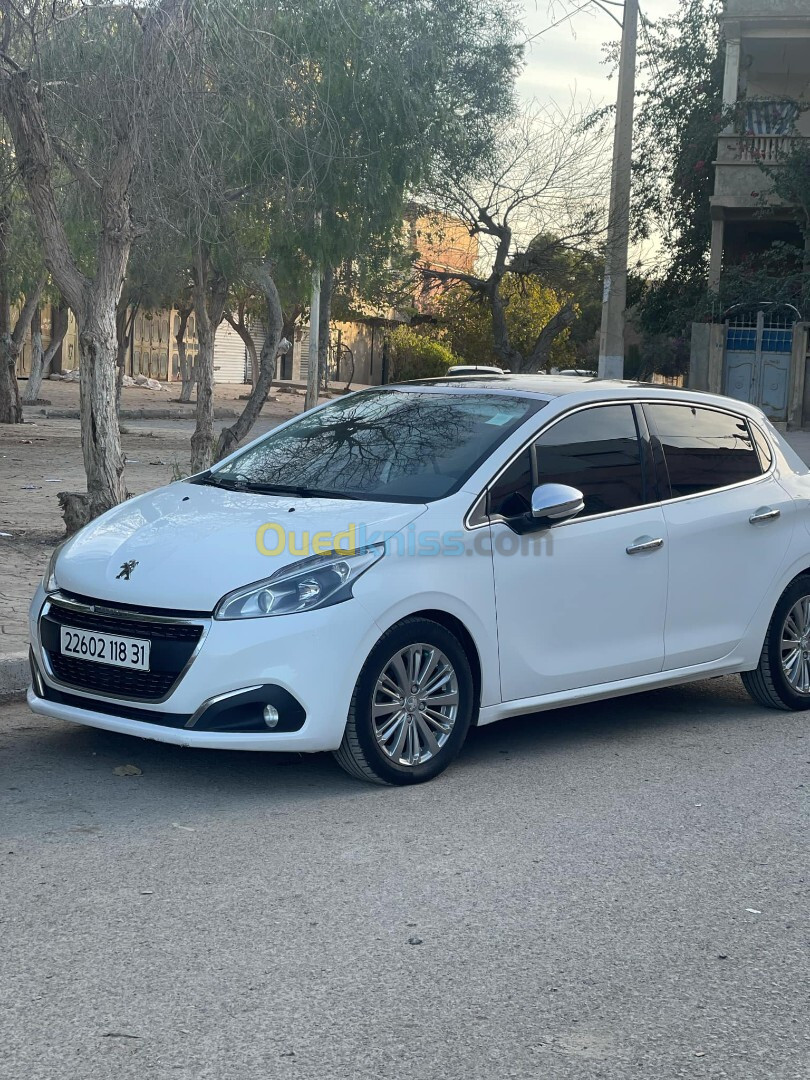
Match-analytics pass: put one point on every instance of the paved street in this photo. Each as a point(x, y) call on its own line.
point(618, 890)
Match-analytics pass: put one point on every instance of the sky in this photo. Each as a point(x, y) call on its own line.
point(566, 62)
point(568, 59)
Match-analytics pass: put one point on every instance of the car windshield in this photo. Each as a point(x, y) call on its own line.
point(399, 445)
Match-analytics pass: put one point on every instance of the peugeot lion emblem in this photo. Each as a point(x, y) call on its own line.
point(126, 570)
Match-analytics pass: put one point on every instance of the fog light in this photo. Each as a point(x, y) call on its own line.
point(270, 715)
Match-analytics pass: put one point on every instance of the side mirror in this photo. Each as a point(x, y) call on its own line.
point(556, 502)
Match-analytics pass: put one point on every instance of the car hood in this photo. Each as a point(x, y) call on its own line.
point(192, 543)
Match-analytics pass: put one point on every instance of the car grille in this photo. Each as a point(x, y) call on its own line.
point(172, 647)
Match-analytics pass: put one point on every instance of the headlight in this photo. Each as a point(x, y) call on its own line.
point(49, 582)
point(318, 581)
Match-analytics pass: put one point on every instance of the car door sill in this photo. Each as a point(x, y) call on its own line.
point(728, 665)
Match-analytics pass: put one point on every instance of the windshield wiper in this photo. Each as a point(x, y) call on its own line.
point(229, 481)
point(240, 482)
point(301, 491)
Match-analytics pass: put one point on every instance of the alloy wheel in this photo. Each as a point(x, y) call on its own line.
point(415, 704)
point(795, 646)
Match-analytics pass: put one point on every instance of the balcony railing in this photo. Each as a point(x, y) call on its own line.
point(755, 149)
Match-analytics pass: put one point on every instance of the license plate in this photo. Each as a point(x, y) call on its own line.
point(124, 652)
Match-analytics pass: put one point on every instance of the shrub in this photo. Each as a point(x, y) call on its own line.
point(414, 355)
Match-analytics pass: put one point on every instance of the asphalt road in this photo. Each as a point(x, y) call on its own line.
point(618, 890)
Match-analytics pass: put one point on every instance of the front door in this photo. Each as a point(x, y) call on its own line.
point(757, 361)
point(584, 602)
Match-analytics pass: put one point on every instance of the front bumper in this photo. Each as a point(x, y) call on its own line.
point(298, 741)
point(315, 657)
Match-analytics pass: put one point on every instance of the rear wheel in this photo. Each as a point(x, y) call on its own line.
point(412, 706)
point(781, 680)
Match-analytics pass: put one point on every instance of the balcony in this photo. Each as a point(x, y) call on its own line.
point(740, 179)
point(755, 149)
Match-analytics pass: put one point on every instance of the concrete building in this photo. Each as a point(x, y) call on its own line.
point(758, 352)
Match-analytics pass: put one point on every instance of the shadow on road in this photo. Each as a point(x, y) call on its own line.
point(75, 756)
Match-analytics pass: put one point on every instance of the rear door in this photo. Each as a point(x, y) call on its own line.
point(728, 523)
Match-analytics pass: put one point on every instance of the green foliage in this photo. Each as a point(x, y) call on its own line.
point(464, 320)
point(662, 355)
point(778, 275)
point(264, 118)
point(414, 355)
point(678, 119)
point(303, 144)
point(576, 276)
point(790, 183)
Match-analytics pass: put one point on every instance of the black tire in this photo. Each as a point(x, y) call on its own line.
point(767, 683)
point(360, 753)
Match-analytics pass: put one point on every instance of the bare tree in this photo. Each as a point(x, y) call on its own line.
point(102, 163)
point(540, 192)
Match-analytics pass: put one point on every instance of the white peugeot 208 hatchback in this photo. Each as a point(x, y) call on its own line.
point(379, 574)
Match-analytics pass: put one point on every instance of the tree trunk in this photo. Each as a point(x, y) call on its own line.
point(504, 350)
point(230, 437)
point(101, 437)
point(36, 342)
point(11, 341)
point(121, 339)
point(93, 300)
point(540, 356)
point(210, 294)
point(186, 367)
point(10, 406)
point(124, 325)
point(40, 369)
point(325, 317)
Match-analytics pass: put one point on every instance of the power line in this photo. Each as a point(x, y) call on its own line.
point(571, 14)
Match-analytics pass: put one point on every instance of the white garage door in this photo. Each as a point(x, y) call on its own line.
point(229, 356)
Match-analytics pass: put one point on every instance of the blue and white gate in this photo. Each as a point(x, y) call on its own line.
point(759, 345)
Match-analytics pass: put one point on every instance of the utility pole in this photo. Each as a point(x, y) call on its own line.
point(614, 294)
point(311, 399)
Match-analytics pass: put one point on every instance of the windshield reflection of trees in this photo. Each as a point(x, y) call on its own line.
point(391, 442)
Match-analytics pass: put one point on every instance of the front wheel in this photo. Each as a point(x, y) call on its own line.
point(412, 706)
point(781, 680)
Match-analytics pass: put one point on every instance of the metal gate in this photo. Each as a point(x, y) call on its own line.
point(759, 344)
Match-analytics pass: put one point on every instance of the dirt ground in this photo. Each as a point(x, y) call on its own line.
point(43, 457)
point(61, 395)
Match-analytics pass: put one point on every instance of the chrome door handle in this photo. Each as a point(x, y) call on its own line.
point(765, 513)
point(644, 543)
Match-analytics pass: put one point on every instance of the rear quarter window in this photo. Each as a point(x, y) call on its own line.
point(704, 449)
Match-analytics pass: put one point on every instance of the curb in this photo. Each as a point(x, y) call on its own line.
point(138, 414)
point(15, 675)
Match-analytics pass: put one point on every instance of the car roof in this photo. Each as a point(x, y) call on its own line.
point(578, 387)
point(544, 386)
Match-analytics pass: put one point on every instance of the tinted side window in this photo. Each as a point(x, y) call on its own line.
point(704, 449)
point(511, 494)
point(598, 451)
